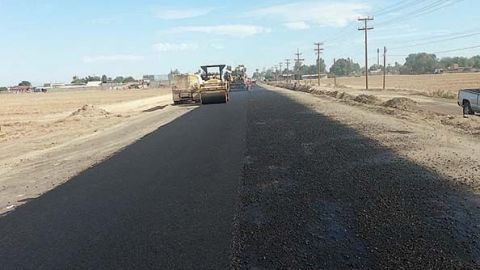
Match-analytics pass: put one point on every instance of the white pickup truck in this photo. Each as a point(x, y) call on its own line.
point(469, 100)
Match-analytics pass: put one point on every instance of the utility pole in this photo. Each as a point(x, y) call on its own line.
point(318, 50)
point(378, 57)
point(281, 71)
point(298, 62)
point(384, 66)
point(334, 75)
point(366, 29)
point(287, 61)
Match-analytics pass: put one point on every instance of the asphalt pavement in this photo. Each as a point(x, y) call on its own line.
point(263, 182)
point(165, 202)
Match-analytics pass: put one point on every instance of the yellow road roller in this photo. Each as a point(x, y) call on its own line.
point(214, 88)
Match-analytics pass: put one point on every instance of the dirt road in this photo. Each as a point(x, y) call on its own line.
point(276, 179)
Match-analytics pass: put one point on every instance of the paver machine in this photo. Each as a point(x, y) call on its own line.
point(239, 76)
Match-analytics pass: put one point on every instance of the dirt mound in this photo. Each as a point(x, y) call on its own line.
point(471, 125)
point(401, 103)
point(90, 111)
point(345, 96)
point(367, 99)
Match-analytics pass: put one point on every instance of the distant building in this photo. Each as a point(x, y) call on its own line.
point(94, 84)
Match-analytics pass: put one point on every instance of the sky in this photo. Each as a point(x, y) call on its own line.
point(54, 40)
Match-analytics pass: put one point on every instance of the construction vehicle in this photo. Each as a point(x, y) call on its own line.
point(214, 87)
point(239, 77)
point(185, 88)
point(208, 87)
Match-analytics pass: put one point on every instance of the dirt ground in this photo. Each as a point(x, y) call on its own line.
point(47, 138)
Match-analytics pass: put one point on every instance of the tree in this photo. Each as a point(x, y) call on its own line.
point(129, 80)
point(3, 89)
point(25, 83)
point(118, 79)
point(475, 61)
point(420, 63)
point(104, 79)
point(345, 67)
point(375, 67)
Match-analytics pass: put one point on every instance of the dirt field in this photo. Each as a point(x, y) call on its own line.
point(47, 138)
point(441, 85)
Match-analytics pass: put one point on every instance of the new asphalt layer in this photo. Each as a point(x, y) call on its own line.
point(263, 182)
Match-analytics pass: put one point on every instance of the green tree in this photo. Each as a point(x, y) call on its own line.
point(129, 80)
point(104, 79)
point(3, 89)
point(475, 61)
point(420, 63)
point(118, 79)
point(345, 67)
point(25, 83)
point(375, 67)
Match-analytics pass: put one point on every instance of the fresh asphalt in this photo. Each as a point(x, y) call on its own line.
point(263, 182)
point(165, 202)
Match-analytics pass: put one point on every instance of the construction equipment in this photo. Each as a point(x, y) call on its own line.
point(214, 88)
point(186, 88)
point(209, 87)
point(239, 76)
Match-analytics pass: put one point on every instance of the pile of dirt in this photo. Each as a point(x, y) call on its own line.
point(470, 125)
point(401, 103)
point(90, 111)
point(345, 96)
point(367, 99)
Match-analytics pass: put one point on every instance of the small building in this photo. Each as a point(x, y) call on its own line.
point(94, 84)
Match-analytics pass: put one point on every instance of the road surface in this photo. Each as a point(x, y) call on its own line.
point(261, 183)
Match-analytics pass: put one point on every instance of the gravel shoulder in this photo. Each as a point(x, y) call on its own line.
point(339, 185)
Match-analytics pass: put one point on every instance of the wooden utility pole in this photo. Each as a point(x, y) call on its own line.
point(318, 50)
point(287, 62)
point(298, 62)
point(334, 75)
point(384, 66)
point(378, 57)
point(366, 29)
point(281, 70)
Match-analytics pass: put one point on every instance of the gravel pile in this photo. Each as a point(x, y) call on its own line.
point(367, 99)
point(401, 103)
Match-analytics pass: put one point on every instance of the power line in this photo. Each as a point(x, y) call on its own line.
point(458, 49)
point(427, 9)
point(438, 40)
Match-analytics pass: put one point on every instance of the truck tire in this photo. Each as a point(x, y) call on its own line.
point(467, 109)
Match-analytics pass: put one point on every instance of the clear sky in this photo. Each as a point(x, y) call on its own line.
point(53, 40)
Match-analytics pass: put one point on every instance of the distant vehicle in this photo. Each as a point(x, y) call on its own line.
point(40, 90)
point(469, 100)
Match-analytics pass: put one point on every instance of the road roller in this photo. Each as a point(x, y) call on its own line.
point(214, 87)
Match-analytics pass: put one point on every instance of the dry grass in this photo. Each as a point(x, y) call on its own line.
point(442, 85)
point(31, 115)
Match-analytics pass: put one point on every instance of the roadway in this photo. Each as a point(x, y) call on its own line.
point(263, 182)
